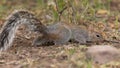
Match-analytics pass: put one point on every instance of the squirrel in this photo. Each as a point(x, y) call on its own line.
point(14, 20)
point(58, 33)
point(61, 33)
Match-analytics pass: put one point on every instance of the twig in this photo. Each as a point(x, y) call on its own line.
point(58, 11)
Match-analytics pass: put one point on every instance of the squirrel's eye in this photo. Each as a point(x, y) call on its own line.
point(97, 35)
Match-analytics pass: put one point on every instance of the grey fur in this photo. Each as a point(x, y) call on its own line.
point(62, 31)
point(57, 33)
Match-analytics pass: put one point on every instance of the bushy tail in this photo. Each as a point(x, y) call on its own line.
point(13, 22)
point(7, 33)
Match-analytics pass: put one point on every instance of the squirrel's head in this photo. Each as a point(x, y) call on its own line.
point(96, 37)
point(26, 17)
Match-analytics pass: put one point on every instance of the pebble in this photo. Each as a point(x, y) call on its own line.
point(101, 54)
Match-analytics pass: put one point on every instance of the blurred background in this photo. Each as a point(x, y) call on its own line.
point(69, 10)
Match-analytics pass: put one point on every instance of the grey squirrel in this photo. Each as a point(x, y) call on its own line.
point(58, 33)
point(61, 33)
point(12, 23)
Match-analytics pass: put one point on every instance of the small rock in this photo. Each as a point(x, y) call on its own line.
point(102, 54)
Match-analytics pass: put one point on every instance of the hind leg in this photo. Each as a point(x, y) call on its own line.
point(64, 37)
